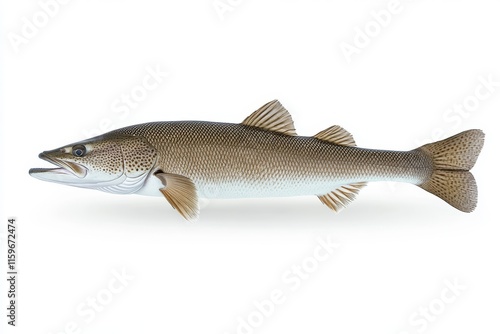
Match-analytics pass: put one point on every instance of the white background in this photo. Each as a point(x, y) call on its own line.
point(398, 244)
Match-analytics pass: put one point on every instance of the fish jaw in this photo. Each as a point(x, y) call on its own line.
point(66, 172)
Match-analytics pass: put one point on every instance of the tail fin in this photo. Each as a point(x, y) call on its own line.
point(453, 158)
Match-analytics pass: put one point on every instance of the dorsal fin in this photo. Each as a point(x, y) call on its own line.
point(272, 116)
point(342, 196)
point(336, 135)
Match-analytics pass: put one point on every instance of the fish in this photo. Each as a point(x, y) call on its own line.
point(261, 157)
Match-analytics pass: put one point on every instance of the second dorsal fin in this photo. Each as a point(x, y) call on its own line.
point(336, 135)
point(272, 116)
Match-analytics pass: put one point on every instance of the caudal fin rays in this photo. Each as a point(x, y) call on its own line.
point(453, 158)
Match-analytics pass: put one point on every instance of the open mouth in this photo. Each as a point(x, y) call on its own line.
point(64, 167)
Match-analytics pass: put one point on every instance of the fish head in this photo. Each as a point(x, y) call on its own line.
point(111, 163)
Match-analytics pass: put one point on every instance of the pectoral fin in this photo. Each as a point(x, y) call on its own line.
point(180, 192)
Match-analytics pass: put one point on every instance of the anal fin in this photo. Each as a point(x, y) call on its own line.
point(342, 196)
point(180, 192)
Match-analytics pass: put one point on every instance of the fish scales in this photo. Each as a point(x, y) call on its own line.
point(233, 160)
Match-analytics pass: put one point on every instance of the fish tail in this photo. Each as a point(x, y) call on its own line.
point(452, 159)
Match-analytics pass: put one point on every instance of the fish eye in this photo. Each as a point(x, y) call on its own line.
point(79, 150)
